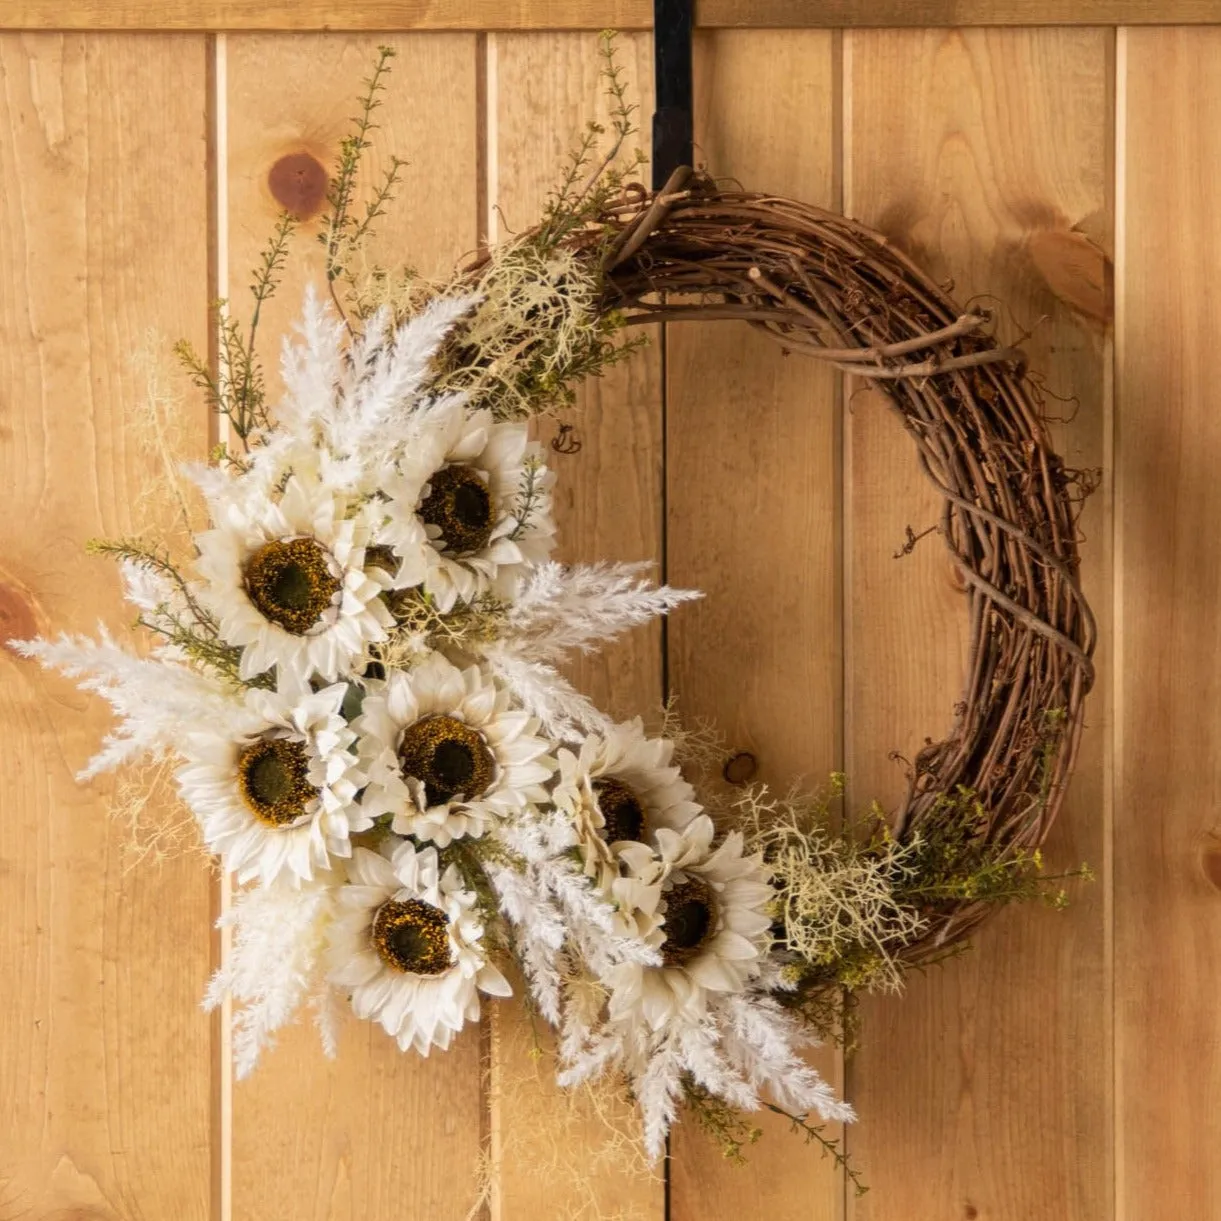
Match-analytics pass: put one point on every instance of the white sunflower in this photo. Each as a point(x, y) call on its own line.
point(479, 495)
point(445, 754)
point(284, 574)
point(621, 788)
point(407, 942)
point(715, 933)
point(275, 791)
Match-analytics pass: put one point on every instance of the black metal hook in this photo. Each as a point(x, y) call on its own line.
point(673, 124)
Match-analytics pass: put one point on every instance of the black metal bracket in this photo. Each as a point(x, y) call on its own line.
point(673, 124)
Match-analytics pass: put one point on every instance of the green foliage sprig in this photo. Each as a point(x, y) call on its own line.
point(237, 390)
point(343, 233)
point(189, 626)
point(528, 499)
point(589, 182)
point(733, 1133)
point(726, 1127)
point(952, 862)
point(834, 1149)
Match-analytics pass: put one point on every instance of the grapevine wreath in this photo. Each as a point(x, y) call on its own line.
point(354, 684)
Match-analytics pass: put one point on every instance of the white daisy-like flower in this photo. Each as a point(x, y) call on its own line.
point(621, 788)
point(275, 791)
point(445, 754)
point(715, 932)
point(284, 573)
point(479, 496)
point(407, 941)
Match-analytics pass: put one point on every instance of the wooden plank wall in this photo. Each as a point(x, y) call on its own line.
point(1068, 1068)
point(106, 1061)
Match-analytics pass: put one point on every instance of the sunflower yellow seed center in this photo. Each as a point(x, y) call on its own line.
point(273, 776)
point(460, 506)
point(412, 936)
point(448, 757)
point(690, 920)
point(290, 582)
point(621, 810)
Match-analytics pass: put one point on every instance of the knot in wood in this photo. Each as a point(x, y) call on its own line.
point(298, 183)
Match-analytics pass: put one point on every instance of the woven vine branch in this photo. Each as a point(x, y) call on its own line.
point(821, 284)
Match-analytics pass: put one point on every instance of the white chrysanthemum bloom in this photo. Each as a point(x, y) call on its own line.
point(445, 754)
point(715, 933)
point(275, 794)
point(480, 496)
point(621, 788)
point(407, 941)
point(285, 577)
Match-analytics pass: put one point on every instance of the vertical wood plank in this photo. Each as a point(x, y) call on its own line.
point(105, 1055)
point(376, 1134)
point(984, 1091)
point(542, 90)
point(753, 519)
point(1168, 736)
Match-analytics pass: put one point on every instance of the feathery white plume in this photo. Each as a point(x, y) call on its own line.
point(561, 710)
point(362, 406)
point(538, 935)
point(154, 698)
point(148, 589)
point(274, 966)
point(560, 609)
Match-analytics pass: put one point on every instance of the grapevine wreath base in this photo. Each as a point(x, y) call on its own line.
point(354, 682)
point(822, 285)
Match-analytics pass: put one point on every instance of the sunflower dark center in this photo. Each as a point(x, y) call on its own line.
point(290, 583)
point(412, 936)
point(448, 758)
point(689, 921)
point(460, 506)
point(273, 776)
point(621, 810)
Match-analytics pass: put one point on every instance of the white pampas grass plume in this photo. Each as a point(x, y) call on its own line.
point(154, 698)
point(561, 609)
point(363, 406)
point(149, 589)
point(274, 967)
point(562, 711)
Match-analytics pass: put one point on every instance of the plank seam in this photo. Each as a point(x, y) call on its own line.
point(1113, 792)
point(487, 141)
point(839, 140)
point(219, 274)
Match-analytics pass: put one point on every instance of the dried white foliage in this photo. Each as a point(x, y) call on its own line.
point(274, 967)
point(360, 406)
point(155, 698)
point(560, 610)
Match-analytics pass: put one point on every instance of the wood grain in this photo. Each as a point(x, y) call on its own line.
point(1168, 733)
point(375, 1134)
point(542, 88)
point(984, 1091)
point(389, 15)
point(105, 1056)
point(753, 519)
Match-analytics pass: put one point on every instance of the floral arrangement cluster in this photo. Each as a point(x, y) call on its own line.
point(358, 673)
point(355, 670)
